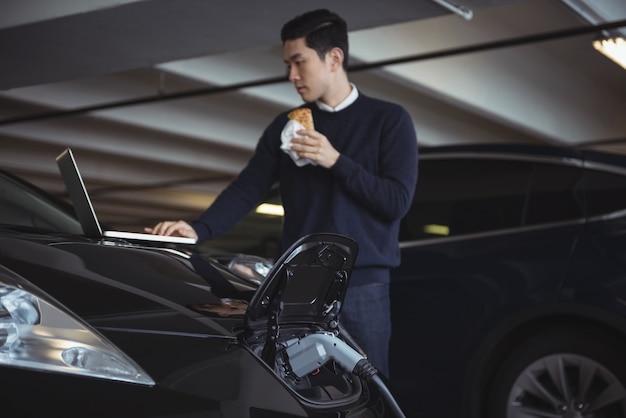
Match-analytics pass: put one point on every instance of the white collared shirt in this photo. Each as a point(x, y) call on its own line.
point(354, 94)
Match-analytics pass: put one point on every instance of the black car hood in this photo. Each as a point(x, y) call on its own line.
point(306, 285)
point(126, 286)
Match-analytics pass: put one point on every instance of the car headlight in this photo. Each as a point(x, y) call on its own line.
point(38, 333)
point(250, 266)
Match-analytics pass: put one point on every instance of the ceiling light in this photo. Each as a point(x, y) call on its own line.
point(437, 229)
point(270, 209)
point(613, 48)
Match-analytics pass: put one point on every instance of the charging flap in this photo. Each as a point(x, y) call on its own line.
point(307, 284)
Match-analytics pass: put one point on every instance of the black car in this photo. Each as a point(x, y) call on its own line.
point(107, 327)
point(510, 301)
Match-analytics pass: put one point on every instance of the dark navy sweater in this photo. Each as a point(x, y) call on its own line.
point(363, 196)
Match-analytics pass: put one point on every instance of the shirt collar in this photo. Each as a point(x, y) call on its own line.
point(354, 94)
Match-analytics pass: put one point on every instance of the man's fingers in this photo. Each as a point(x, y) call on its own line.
point(176, 228)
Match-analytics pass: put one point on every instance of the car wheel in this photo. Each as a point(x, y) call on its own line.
point(571, 373)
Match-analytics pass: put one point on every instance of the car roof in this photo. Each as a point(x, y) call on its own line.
point(524, 150)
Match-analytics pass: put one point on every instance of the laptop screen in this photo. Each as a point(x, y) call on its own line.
point(78, 194)
point(87, 215)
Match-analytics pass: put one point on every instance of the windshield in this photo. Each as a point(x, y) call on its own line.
point(24, 205)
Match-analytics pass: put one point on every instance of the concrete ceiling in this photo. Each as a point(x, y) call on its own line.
point(163, 101)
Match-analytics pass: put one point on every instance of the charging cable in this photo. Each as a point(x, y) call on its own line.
point(309, 353)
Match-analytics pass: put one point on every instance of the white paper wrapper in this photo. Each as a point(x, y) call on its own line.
point(289, 132)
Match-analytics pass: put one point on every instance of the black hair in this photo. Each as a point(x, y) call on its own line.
point(322, 31)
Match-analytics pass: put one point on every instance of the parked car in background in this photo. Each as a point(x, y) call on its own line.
point(108, 327)
point(512, 285)
point(510, 301)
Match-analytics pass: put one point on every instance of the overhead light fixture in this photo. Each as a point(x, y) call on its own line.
point(464, 12)
point(613, 48)
point(434, 229)
point(270, 209)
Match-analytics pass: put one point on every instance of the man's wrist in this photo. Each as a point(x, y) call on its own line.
point(336, 159)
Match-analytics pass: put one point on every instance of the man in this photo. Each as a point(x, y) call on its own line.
point(359, 183)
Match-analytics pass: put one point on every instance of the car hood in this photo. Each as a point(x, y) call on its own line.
point(113, 284)
point(120, 285)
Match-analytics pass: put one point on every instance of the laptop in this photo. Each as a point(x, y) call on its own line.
point(86, 214)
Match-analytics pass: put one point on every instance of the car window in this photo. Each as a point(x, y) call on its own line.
point(555, 195)
point(21, 206)
point(605, 192)
point(465, 196)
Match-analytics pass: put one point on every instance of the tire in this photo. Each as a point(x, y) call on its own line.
point(567, 372)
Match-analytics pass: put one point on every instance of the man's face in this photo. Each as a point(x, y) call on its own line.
point(306, 70)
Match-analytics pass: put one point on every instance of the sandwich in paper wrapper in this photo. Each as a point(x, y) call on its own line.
point(300, 118)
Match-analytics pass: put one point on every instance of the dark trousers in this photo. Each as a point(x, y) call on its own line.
point(366, 315)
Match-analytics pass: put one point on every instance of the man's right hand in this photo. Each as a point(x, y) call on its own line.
point(173, 228)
